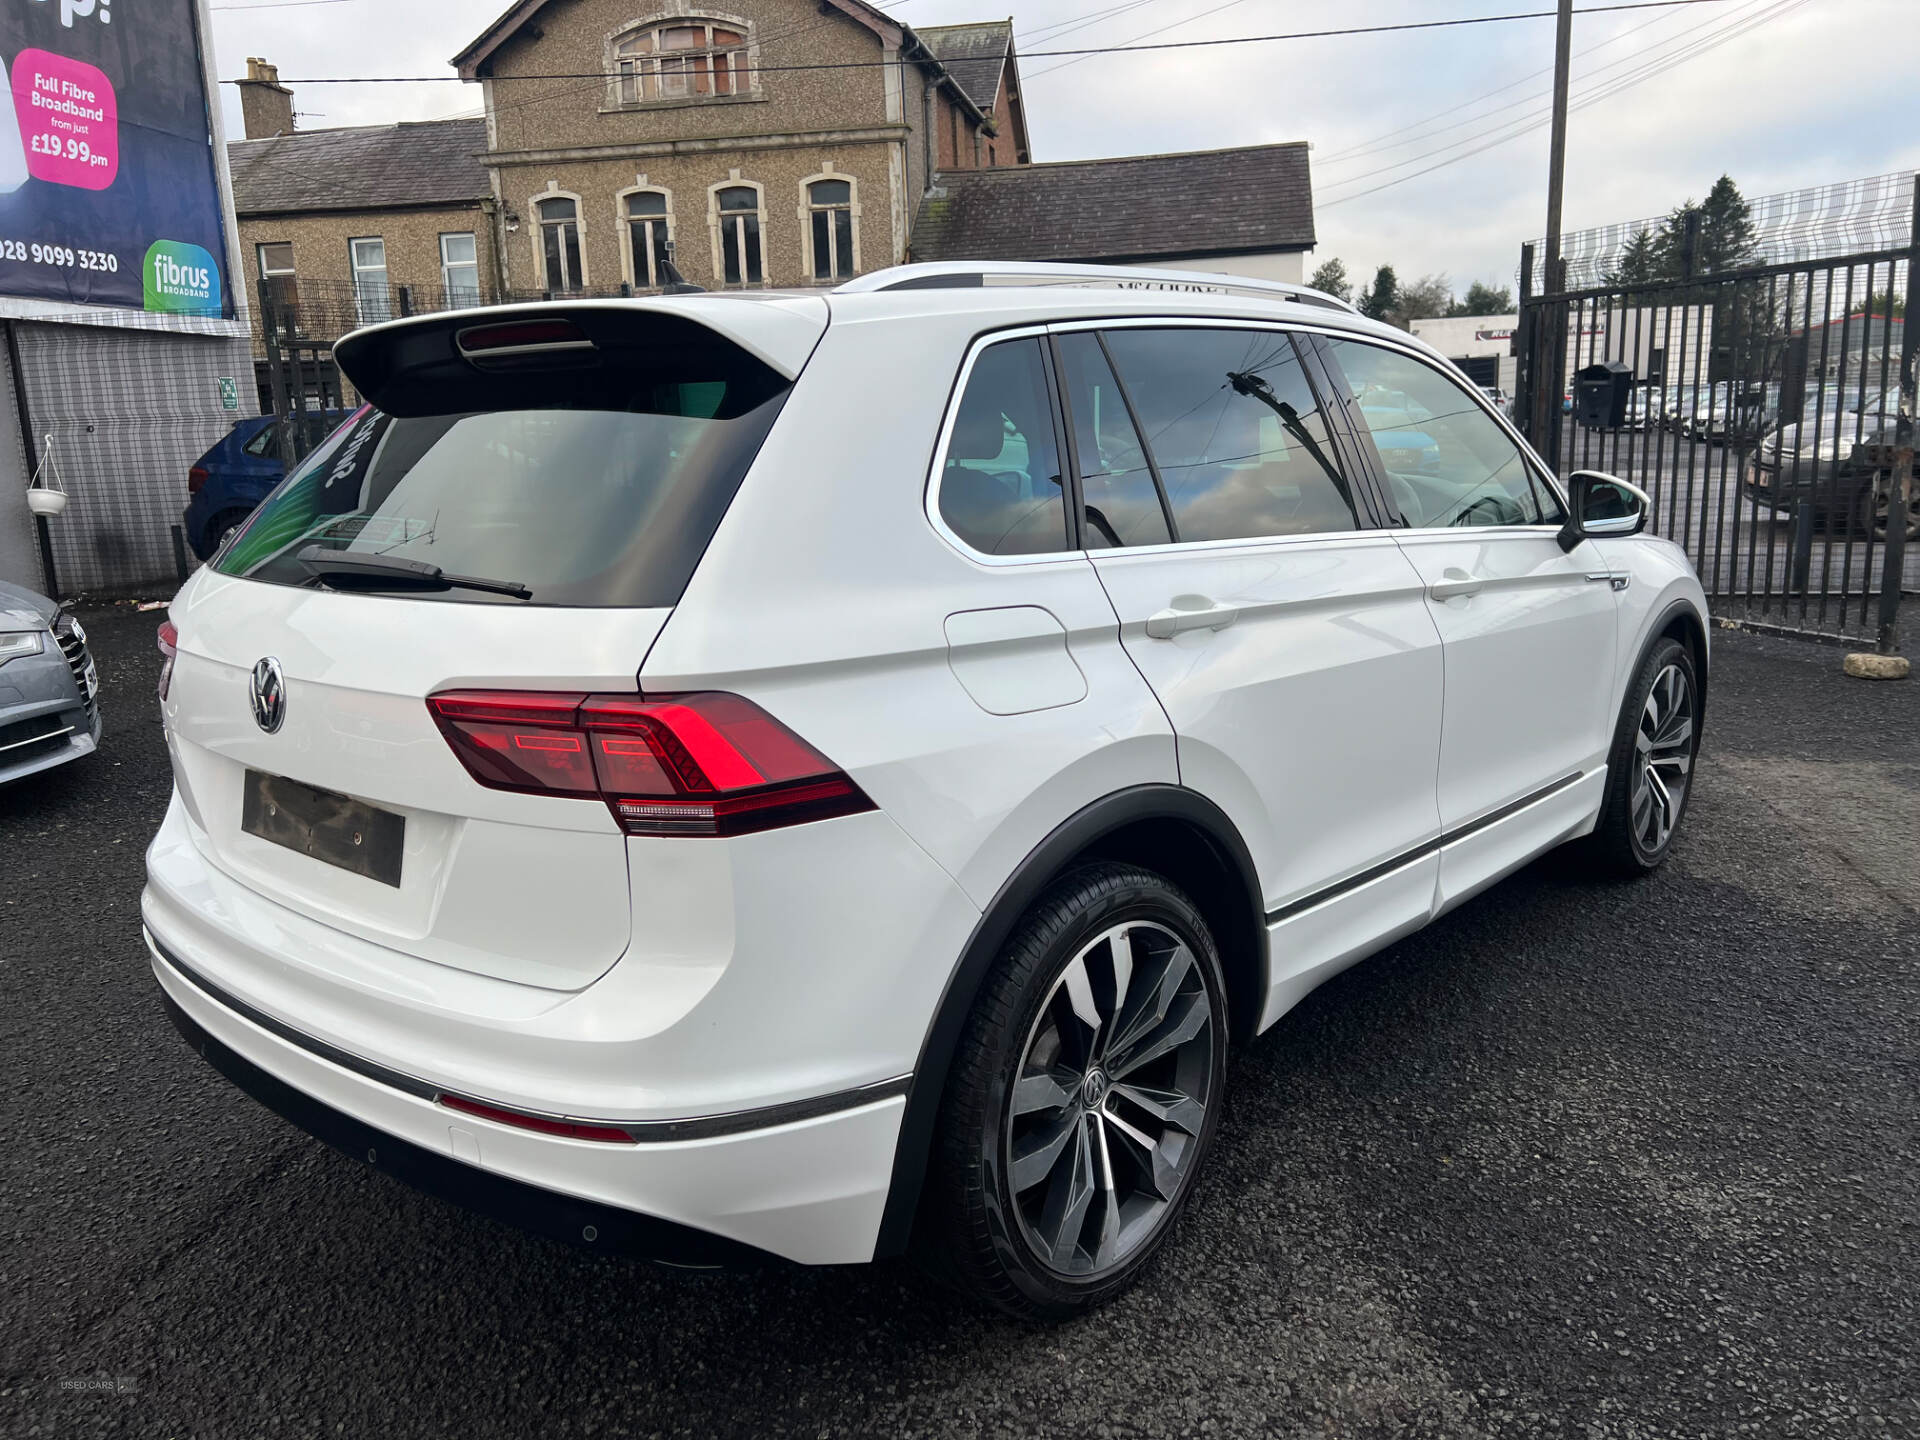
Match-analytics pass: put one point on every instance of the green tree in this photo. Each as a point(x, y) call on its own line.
point(1727, 237)
point(1331, 277)
point(1381, 301)
point(1642, 263)
point(1427, 297)
point(1484, 300)
point(1885, 303)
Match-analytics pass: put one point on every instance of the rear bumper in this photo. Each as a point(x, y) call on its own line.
point(810, 1190)
point(566, 1218)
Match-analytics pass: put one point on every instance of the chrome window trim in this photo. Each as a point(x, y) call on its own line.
point(931, 503)
point(1287, 325)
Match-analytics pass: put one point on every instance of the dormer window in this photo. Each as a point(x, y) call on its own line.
point(680, 60)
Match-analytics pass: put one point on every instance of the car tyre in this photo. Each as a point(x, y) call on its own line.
point(220, 529)
point(1083, 1096)
point(1650, 765)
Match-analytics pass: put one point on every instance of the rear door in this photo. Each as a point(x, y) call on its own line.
point(1286, 638)
point(1528, 629)
point(522, 519)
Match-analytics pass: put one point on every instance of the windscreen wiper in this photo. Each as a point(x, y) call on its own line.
point(379, 572)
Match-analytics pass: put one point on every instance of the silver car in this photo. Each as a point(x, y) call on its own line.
point(48, 686)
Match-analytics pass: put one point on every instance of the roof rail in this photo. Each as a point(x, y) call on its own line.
point(976, 274)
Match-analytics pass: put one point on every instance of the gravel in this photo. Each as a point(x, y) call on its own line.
point(1582, 1159)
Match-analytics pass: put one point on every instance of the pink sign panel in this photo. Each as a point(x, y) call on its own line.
point(69, 120)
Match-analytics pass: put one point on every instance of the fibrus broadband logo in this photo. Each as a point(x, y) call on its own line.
point(180, 279)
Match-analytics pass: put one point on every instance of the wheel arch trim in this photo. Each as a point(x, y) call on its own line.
point(1085, 828)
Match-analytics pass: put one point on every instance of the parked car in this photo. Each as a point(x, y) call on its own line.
point(49, 687)
point(698, 780)
point(1643, 408)
point(225, 484)
point(1812, 460)
point(1499, 399)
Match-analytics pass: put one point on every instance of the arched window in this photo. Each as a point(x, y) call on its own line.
point(680, 60)
point(738, 220)
point(560, 242)
point(646, 215)
point(830, 228)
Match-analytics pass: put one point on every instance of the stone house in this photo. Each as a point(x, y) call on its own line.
point(769, 142)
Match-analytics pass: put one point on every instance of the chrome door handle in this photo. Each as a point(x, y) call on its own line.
point(1458, 582)
point(1190, 612)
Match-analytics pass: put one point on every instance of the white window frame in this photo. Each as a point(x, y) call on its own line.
point(260, 258)
point(447, 287)
point(369, 314)
point(807, 208)
point(628, 75)
point(537, 235)
point(715, 229)
point(623, 227)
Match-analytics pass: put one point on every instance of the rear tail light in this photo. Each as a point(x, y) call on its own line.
point(196, 479)
point(169, 639)
point(700, 764)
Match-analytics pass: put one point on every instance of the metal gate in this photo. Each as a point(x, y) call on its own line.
point(1768, 411)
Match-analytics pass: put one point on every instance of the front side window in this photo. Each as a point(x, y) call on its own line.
point(1235, 432)
point(738, 209)
point(459, 269)
point(560, 243)
point(647, 237)
point(1116, 483)
point(276, 258)
point(1446, 460)
point(371, 297)
point(687, 60)
point(830, 226)
point(1001, 481)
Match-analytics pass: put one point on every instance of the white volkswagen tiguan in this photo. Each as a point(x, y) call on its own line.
point(828, 774)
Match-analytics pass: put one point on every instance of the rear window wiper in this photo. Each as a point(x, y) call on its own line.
point(394, 571)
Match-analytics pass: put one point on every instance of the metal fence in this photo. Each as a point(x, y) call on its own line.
point(1769, 412)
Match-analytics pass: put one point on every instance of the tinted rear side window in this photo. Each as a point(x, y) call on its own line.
point(592, 506)
point(1116, 483)
point(1000, 485)
point(1235, 431)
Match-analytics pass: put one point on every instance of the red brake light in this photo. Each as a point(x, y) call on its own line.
point(196, 479)
point(699, 764)
point(522, 336)
point(169, 641)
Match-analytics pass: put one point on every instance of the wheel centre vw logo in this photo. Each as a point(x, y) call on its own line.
point(1093, 1089)
point(269, 695)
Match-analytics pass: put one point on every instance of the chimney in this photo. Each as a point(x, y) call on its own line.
point(265, 104)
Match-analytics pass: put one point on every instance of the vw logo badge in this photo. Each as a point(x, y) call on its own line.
point(269, 695)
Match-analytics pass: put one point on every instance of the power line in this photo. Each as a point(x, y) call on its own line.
point(1602, 92)
point(1408, 25)
point(1643, 61)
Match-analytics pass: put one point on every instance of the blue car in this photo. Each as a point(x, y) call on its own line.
point(234, 476)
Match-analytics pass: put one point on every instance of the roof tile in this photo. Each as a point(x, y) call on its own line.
point(434, 162)
point(1137, 208)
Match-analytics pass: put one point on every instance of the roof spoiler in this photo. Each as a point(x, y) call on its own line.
point(512, 356)
point(977, 274)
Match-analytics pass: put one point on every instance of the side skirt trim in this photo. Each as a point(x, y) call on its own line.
point(1419, 852)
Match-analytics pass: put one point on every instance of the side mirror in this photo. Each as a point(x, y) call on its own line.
point(1599, 504)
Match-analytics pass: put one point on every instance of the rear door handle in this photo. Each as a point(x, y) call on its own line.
point(1456, 582)
point(1190, 612)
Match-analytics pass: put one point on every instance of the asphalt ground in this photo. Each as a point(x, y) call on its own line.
point(1584, 1158)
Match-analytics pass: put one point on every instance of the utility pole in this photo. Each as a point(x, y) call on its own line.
point(1557, 157)
point(1544, 429)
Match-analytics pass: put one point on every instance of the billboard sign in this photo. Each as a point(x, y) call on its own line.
point(108, 193)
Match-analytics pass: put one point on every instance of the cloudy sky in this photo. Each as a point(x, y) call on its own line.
point(1778, 93)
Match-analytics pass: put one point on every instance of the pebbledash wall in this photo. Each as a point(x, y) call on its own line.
point(130, 400)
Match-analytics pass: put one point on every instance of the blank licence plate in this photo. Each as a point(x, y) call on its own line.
point(334, 829)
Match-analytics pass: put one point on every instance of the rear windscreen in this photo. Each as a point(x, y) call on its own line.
point(552, 505)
